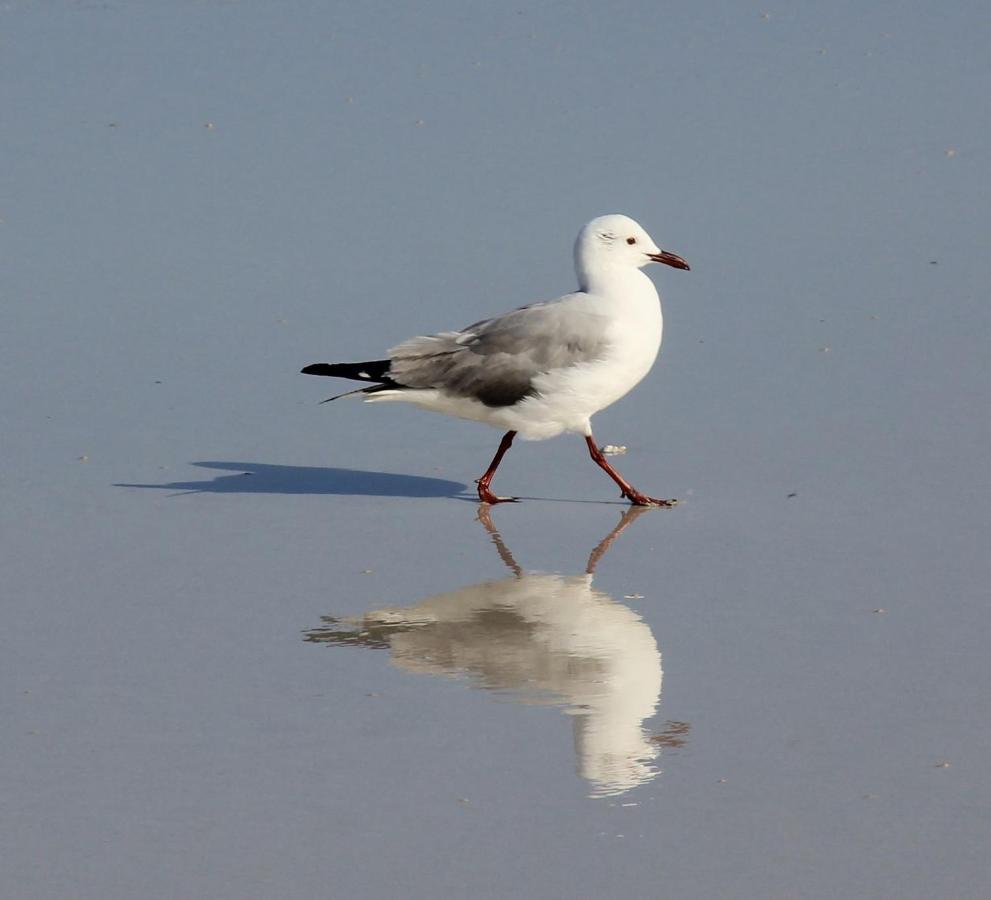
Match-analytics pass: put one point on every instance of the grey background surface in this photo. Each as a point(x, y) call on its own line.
point(197, 198)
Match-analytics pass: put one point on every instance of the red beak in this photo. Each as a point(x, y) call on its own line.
point(669, 259)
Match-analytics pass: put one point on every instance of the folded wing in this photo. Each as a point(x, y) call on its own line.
point(496, 360)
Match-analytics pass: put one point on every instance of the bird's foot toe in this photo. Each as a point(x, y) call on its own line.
point(638, 499)
point(486, 496)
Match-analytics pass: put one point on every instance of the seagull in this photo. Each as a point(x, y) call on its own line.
point(545, 368)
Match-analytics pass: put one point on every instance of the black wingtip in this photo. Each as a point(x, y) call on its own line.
point(373, 370)
point(316, 369)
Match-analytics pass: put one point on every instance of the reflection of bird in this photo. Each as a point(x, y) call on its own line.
point(545, 368)
point(547, 639)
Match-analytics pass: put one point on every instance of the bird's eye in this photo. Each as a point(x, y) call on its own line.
point(631, 240)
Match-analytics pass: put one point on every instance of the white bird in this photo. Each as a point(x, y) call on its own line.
point(545, 368)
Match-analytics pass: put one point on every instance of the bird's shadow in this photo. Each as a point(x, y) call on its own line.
point(263, 478)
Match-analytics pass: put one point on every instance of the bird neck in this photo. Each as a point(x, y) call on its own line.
point(611, 279)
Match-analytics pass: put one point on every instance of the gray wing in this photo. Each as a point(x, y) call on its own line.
point(496, 360)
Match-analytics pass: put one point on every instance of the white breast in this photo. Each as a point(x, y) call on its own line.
point(568, 398)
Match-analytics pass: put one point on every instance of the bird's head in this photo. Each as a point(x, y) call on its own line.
point(616, 241)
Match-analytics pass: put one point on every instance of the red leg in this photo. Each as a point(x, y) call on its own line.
point(628, 490)
point(484, 494)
